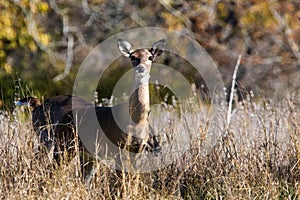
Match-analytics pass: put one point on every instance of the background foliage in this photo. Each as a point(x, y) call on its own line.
point(43, 42)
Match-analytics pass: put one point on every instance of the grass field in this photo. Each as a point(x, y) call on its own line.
point(256, 157)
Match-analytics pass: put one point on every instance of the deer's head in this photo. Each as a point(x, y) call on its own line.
point(141, 59)
point(28, 101)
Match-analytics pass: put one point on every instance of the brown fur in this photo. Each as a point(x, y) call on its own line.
point(46, 116)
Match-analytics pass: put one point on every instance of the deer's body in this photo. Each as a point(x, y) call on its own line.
point(46, 116)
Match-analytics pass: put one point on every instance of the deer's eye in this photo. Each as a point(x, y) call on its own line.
point(151, 58)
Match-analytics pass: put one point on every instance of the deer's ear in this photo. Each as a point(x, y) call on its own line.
point(124, 47)
point(158, 48)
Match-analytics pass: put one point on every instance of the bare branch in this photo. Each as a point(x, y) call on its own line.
point(67, 31)
point(232, 89)
point(69, 59)
point(86, 7)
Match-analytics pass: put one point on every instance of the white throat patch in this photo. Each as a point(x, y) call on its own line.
point(142, 80)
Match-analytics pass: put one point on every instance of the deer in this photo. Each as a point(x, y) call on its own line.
point(46, 116)
point(57, 112)
point(132, 133)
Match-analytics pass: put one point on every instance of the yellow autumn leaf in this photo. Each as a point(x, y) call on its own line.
point(6, 20)
point(2, 54)
point(9, 33)
point(44, 38)
point(258, 14)
point(172, 21)
point(32, 46)
point(7, 68)
point(12, 45)
point(43, 7)
point(222, 10)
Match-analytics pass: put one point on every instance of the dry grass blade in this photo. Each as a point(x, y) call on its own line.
point(261, 162)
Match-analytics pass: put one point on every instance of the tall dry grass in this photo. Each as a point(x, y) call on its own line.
point(257, 157)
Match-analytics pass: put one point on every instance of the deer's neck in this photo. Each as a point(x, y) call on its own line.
point(140, 104)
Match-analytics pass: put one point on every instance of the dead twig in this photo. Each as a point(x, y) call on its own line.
point(232, 89)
